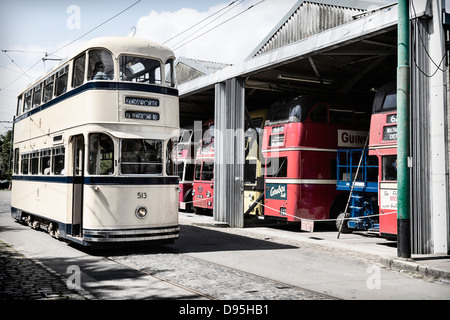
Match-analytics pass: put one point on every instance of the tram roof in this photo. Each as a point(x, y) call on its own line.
point(117, 46)
point(120, 45)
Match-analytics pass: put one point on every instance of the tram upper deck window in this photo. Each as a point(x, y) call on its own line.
point(37, 95)
point(140, 156)
point(19, 105)
point(141, 70)
point(61, 81)
point(48, 89)
point(78, 71)
point(101, 65)
point(170, 76)
point(27, 101)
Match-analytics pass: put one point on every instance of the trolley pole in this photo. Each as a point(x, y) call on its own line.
point(403, 102)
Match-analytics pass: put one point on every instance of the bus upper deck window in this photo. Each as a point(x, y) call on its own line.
point(390, 101)
point(101, 65)
point(319, 113)
point(142, 70)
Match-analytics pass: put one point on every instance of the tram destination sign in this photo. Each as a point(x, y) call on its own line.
point(147, 102)
point(139, 115)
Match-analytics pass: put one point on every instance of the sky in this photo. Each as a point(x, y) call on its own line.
point(212, 30)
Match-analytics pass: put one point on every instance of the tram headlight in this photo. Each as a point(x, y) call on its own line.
point(141, 212)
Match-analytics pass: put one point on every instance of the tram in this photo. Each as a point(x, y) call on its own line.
point(301, 138)
point(92, 145)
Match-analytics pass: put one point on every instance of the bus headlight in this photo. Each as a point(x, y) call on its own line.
point(141, 212)
point(208, 194)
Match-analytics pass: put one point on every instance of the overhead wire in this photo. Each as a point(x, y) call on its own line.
point(193, 26)
point(73, 41)
point(220, 24)
point(230, 8)
point(438, 66)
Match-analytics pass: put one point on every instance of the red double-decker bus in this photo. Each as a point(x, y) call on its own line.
point(184, 155)
point(383, 144)
point(202, 191)
point(300, 143)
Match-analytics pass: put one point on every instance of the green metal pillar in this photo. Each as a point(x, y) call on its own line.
point(403, 101)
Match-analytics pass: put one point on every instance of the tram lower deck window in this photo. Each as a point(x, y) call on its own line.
point(101, 154)
point(139, 156)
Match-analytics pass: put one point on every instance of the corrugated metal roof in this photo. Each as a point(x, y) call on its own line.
point(189, 69)
point(303, 21)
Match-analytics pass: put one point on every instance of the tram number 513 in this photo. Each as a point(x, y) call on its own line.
point(142, 195)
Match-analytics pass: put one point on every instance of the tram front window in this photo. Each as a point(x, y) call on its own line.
point(139, 156)
point(142, 70)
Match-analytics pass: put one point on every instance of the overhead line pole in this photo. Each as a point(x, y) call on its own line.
point(403, 120)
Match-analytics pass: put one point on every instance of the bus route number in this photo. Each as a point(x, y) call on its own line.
point(142, 195)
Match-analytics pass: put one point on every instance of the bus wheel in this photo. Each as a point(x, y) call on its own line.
point(339, 221)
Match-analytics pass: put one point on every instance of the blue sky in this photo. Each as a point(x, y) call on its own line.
point(30, 28)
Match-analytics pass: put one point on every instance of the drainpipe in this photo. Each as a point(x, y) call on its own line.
point(403, 88)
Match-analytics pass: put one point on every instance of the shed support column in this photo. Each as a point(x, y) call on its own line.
point(229, 152)
point(438, 181)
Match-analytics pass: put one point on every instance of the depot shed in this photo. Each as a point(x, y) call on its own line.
point(320, 48)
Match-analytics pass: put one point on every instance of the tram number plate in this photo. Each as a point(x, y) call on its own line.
point(142, 195)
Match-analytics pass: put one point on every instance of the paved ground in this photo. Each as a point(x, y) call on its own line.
point(22, 278)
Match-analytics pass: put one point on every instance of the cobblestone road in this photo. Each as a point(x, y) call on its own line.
point(214, 281)
point(22, 278)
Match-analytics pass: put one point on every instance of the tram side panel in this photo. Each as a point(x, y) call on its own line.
point(105, 208)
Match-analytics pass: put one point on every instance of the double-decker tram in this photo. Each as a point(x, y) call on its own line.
point(301, 138)
point(184, 156)
point(203, 186)
point(92, 145)
point(383, 145)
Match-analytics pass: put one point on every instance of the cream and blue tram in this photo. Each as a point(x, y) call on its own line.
point(92, 145)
